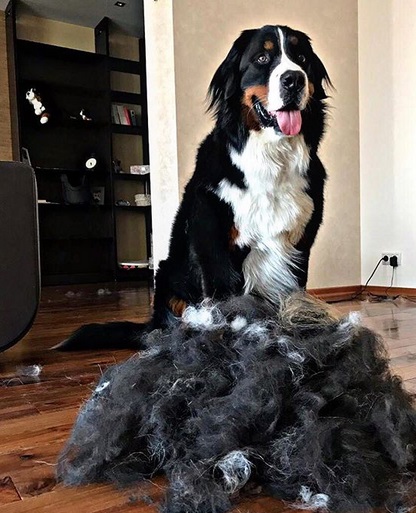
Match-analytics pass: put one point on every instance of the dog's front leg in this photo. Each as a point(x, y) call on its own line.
point(211, 233)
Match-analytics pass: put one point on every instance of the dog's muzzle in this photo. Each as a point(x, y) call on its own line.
point(287, 121)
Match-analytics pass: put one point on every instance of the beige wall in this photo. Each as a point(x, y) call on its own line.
point(388, 137)
point(42, 30)
point(203, 34)
point(6, 151)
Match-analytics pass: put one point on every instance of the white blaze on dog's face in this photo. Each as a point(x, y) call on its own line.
point(288, 82)
point(280, 74)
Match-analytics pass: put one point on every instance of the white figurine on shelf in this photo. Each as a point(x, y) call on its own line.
point(84, 115)
point(35, 100)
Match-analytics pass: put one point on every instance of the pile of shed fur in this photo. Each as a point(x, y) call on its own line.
point(289, 397)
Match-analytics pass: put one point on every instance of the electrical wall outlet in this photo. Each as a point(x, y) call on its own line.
point(398, 255)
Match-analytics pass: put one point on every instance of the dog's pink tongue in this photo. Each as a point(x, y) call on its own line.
point(290, 122)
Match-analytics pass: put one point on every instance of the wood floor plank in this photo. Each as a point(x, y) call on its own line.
point(23, 433)
point(8, 492)
point(32, 469)
point(89, 499)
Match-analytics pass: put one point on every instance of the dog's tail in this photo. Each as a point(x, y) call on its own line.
point(112, 335)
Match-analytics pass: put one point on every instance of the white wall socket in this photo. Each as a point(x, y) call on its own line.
point(398, 255)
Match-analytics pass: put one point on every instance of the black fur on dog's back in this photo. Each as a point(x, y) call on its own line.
point(206, 253)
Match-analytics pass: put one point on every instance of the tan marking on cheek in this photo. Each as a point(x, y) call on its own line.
point(234, 233)
point(311, 88)
point(268, 45)
point(248, 113)
point(177, 306)
point(260, 91)
point(249, 118)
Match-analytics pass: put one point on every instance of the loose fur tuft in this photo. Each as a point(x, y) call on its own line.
point(289, 396)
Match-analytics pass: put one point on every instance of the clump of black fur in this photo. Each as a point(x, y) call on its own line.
point(293, 397)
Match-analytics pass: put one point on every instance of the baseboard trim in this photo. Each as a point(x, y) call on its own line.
point(393, 291)
point(335, 293)
point(330, 294)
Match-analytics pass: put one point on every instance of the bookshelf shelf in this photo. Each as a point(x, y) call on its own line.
point(125, 66)
point(133, 208)
point(124, 97)
point(130, 177)
point(126, 129)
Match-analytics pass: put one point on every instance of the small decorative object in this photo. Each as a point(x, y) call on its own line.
point(26, 157)
point(84, 115)
point(151, 264)
point(142, 200)
point(117, 166)
point(91, 162)
point(134, 264)
point(140, 170)
point(98, 194)
point(122, 203)
point(133, 117)
point(76, 194)
point(36, 101)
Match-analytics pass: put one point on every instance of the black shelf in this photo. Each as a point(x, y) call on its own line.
point(74, 278)
point(79, 124)
point(58, 238)
point(125, 66)
point(33, 49)
point(126, 129)
point(52, 86)
point(57, 170)
point(125, 97)
point(130, 177)
point(133, 208)
point(53, 124)
point(63, 206)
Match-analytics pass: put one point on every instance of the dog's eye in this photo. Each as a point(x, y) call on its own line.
point(264, 58)
point(301, 58)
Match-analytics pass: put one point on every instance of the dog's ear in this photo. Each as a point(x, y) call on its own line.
point(226, 79)
point(320, 78)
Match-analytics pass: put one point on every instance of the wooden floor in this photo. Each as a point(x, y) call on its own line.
point(36, 413)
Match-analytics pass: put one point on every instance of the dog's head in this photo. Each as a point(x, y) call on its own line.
point(271, 75)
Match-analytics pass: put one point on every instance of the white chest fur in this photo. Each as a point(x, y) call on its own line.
point(272, 212)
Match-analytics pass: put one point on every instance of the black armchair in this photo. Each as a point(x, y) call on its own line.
point(19, 252)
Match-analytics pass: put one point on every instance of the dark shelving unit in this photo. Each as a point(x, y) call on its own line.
point(126, 66)
point(78, 243)
point(136, 135)
point(130, 177)
point(126, 97)
point(133, 208)
point(127, 129)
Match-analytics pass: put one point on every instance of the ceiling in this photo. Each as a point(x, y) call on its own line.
point(87, 13)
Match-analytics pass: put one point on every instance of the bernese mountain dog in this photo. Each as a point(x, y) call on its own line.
point(251, 211)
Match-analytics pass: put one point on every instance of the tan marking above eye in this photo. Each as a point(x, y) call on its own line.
point(294, 40)
point(268, 45)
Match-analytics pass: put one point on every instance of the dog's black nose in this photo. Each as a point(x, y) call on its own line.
point(293, 81)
